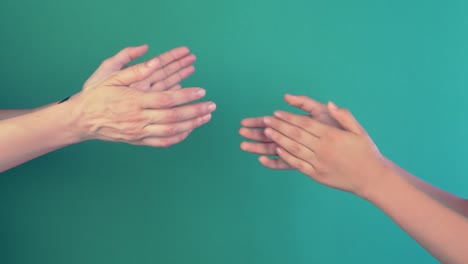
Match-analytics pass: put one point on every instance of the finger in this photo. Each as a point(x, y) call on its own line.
point(304, 122)
point(254, 122)
point(172, 68)
point(305, 103)
point(168, 130)
point(293, 132)
point(173, 79)
point(297, 163)
point(168, 99)
point(135, 73)
point(268, 149)
point(345, 119)
point(116, 63)
point(128, 54)
point(295, 148)
point(175, 87)
point(172, 56)
point(275, 164)
point(180, 113)
point(254, 134)
point(159, 142)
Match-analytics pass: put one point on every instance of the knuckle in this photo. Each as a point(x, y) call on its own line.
point(295, 148)
point(126, 51)
point(137, 69)
point(296, 133)
point(165, 100)
point(172, 115)
point(107, 62)
point(170, 130)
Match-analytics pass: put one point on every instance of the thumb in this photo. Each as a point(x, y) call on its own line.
point(123, 57)
point(345, 118)
point(135, 73)
point(116, 63)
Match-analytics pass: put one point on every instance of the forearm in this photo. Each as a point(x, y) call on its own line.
point(10, 113)
point(441, 231)
point(453, 202)
point(36, 133)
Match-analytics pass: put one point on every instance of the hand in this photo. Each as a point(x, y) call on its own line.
point(254, 130)
point(345, 159)
point(174, 66)
point(113, 111)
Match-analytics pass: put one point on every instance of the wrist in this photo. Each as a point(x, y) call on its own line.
point(72, 119)
point(384, 177)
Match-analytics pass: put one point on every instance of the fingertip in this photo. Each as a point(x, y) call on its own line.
point(190, 69)
point(278, 114)
point(332, 106)
point(243, 146)
point(279, 150)
point(206, 118)
point(289, 96)
point(139, 49)
point(192, 57)
point(184, 49)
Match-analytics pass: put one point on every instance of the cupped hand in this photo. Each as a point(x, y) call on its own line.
point(113, 110)
point(345, 159)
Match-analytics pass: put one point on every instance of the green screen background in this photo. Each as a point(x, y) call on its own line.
point(400, 66)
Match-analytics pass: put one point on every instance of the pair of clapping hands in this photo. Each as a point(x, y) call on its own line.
point(144, 104)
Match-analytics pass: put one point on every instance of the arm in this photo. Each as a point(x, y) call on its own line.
point(28, 136)
point(453, 202)
point(176, 65)
point(348, 160)
point(140, 105)
point(9, 113)
point(441, 231)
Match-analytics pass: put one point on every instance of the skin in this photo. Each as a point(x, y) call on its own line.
point(142, 105)
point(331, 147)
point(177, 65)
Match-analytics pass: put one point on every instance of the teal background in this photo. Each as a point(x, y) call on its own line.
point(400, 66)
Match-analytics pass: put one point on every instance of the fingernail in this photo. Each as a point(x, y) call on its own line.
point(268, 132)
point(206, 118)
point(211, 107)
point(278, 114)
point(200, 93)
point(332, 105)
point(267, 120)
